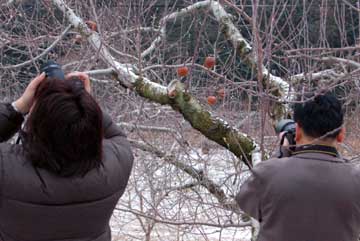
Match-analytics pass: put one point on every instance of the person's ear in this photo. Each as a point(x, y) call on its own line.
point(298, 133)
point(341, 136)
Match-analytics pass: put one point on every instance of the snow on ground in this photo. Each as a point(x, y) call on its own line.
point(148, 194)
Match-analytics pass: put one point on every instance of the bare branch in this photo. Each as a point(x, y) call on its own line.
point(46, 51)
point(204, 180)
point(148, 128)
point(202, 120)
point(279, 87)
point(187, 223)
point(351, 6)
point(95, 41)
point(341, 60)
point(324, 74)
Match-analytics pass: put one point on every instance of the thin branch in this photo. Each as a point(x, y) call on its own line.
point(279, 86)
point(128, 77)
point(173, 16)
point(341, 60)
point(350, 48)
point(46, 51)
point(202, 120)
point(239, 10)
point(109, 71)
point(324, 74)
point(351, 6)
point(142, 29)
point(149, 128)
point(200, 176)
point(187, 223)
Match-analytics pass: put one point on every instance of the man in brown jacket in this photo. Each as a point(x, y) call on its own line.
point(313, 194)
point(65, 179)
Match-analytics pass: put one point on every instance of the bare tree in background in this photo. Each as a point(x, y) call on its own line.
point(194, 136)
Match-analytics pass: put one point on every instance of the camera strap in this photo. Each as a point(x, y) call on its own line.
point(290, 139)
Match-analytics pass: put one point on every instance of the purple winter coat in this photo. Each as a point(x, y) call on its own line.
point(37, 205)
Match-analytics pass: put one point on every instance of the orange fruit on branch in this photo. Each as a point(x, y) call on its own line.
point(91, 24)
point(209, 62)
point(183, 71)
point(211, 100)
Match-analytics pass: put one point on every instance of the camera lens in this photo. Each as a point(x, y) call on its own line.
point(285, 125)
point(53, 70)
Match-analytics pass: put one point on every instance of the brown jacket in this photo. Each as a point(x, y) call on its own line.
point(310, 196)
point(36, 205)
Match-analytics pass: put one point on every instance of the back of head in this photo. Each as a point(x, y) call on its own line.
point(321, 116)
point(63, 133)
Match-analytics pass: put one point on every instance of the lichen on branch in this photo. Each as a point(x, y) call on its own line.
point(214, 128)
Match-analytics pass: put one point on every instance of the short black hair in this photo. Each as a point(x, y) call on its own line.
point(320, 116)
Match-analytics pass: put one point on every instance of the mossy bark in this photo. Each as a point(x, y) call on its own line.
point(201, 119)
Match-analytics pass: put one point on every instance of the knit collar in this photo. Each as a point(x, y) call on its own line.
point(323, 149)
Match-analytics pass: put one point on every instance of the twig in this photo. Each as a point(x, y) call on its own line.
point(187, 223)
point(46, 51)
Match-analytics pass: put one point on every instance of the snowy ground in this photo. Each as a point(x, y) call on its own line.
point(181, 207)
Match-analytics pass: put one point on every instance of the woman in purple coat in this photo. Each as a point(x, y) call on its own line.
point(65, 178)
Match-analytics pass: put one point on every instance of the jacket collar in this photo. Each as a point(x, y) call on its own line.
point(319, 152)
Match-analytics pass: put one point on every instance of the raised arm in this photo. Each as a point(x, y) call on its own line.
point(10, 121)
point(11, 115)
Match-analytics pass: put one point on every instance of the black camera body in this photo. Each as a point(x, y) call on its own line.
point(287, 126)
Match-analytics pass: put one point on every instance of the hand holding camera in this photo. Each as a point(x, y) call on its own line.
point(24, 103)
point(83, 77)
point(51, 70)
point(286, 131)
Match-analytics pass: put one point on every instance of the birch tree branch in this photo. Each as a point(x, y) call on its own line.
point(128, 77)
point(327, 73)
point(202, 120)
point(279, 86)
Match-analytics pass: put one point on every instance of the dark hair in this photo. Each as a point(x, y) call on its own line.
point(321, 116)
point(63, 133)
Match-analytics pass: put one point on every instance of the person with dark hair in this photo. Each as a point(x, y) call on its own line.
point(65, 178)
point(311, 194)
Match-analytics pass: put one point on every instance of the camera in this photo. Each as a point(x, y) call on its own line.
point(287, 126)
point(53, 70)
